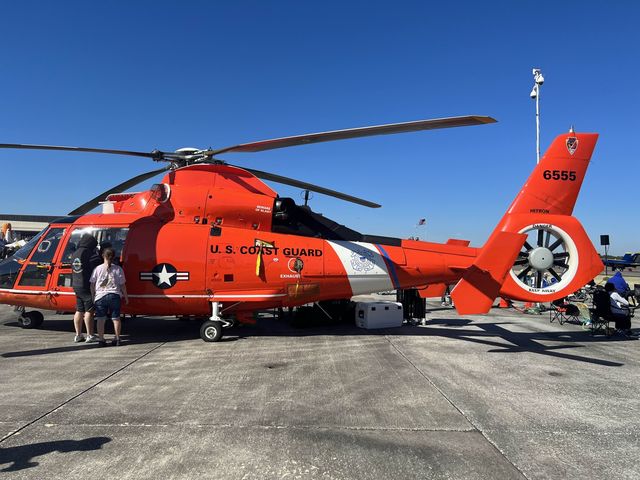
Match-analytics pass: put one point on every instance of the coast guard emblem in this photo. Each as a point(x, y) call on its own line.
point(572, 145)
point(362, 260)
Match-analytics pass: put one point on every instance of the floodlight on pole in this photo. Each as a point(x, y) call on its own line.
point(538, 80)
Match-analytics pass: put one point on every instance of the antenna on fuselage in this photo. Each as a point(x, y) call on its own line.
point(307, 195)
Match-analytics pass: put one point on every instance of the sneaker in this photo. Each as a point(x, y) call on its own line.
point(115, 342)
point(78, 338)
point(92, 339)
point(630, 333)
point(102, 342)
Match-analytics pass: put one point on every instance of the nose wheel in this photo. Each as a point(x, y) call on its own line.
point(29, 320)
point(211, 331)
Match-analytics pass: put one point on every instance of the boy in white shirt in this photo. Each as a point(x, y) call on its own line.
point(108, 287)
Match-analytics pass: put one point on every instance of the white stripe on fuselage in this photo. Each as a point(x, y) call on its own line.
point(365, 268)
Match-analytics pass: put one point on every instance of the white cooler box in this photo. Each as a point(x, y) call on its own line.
point(378, 314)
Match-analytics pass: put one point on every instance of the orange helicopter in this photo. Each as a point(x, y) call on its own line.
point(212, 240)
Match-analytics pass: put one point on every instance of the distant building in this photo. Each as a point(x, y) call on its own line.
point(26, 226)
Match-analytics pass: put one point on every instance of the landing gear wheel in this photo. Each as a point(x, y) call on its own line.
point(211, 331)
point(31, 319)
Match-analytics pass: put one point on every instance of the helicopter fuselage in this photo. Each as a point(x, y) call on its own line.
point(215, 233)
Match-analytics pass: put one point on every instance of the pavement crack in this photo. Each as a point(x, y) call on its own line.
point(446, 397)
point(11, 434)
point(265, 427)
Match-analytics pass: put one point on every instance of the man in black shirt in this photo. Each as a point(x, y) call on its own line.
point(83, 261)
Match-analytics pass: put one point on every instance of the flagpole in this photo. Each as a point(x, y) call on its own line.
point(421, 223)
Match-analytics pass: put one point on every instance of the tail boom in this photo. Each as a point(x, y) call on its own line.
point(554, 256)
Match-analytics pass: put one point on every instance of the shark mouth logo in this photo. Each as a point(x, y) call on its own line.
point(572, 145)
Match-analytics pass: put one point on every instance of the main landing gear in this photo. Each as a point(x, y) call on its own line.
point(31, 319)
point(211, 329)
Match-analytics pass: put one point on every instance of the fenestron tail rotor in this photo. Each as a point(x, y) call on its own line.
point(185, 157)
point(544, 259)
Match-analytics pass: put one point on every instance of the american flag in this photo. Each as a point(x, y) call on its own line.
point(422, 221)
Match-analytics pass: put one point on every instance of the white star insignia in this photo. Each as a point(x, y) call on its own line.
point(164, 276)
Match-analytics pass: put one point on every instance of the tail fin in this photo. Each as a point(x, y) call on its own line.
point(554, 256)
point(554, 185)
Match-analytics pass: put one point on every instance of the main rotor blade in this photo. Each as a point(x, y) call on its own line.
point(156, 154)
point(356, 132)
point(94, 202)
point(308, 186)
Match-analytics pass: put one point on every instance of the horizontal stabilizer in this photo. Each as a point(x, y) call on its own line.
point(481, 282)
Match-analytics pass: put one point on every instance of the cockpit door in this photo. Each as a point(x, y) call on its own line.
point(111, 236)
point(36, 271)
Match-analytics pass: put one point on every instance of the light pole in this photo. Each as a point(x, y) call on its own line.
point(535, 94)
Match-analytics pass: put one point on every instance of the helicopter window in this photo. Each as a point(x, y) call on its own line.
point(25, 251)
point(106, 237)
point(9, 272)
point(10, 267)
point(36, 272)
point(47, 248)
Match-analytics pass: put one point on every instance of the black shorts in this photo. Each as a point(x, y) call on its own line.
point(84, 301)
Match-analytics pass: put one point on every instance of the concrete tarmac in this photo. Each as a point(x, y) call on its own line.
point(503, 396)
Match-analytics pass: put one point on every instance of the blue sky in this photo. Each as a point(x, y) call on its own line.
point(144, 75)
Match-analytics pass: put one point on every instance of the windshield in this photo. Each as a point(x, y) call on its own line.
point(25, 251)
point(10, 267)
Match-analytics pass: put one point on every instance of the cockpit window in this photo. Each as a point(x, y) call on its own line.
point(37, 271)
point(106, 237)
point(10, 267)
point(9, 270)
point(25, 251)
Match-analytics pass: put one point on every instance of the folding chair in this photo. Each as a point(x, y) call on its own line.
point(601, 314)
point(562, 311)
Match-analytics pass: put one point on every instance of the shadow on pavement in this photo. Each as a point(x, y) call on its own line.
point(492, 334)
point(20, 457)
point(143, 330)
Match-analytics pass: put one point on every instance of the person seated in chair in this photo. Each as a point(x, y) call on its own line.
point(619, 310)
point(622, 287)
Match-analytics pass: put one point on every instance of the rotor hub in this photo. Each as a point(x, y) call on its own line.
point(541, 258)
point(188, 151)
